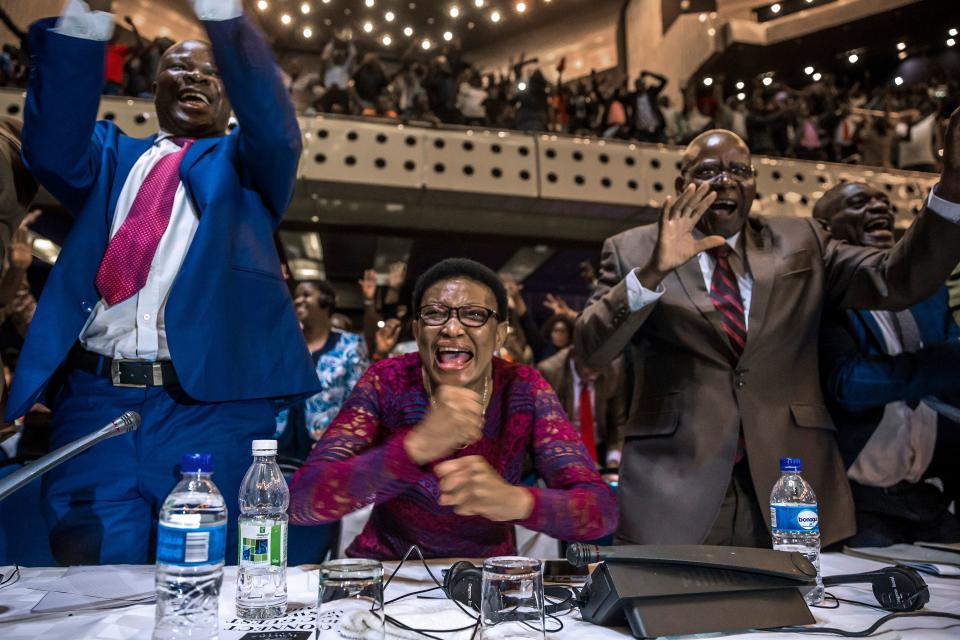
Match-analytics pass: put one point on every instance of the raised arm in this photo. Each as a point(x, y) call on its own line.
point(269, 134)
point(62, 141)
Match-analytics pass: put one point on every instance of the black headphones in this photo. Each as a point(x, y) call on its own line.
point(895, 588)
point(462, 582)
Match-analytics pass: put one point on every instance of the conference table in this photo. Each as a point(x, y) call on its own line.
point(19, 622)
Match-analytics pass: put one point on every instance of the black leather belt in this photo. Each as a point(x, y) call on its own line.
point(125, 373)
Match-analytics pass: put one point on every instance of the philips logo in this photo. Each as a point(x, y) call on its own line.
point(808, 519)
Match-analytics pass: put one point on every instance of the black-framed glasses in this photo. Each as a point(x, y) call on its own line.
point(469, 315)
point(737, 170)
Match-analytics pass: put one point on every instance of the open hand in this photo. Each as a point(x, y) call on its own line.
point(473, 488)
point(368, 284)
point(675, 241)
point(396, 275)
point(21, 248)
point(558, 306)
point(387, 337)
point(454, 422)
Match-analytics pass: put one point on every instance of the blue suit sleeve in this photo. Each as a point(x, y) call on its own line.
point(269, 135)
point(857, 379)
point(62, 144)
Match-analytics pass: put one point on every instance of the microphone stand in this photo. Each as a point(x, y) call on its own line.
point(126, 423)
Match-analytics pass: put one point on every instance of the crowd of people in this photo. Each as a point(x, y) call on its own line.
point(842, 120)
point(713, 342)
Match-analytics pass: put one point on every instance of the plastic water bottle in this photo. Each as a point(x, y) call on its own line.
point(262, 575)
point(191, 542)
point(794, 519)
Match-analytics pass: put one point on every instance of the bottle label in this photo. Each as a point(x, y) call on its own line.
point(801, 518)
point(188, 547)
point(263, 544)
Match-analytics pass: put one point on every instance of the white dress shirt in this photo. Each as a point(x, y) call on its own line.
point(639, 296)
point(134, 328)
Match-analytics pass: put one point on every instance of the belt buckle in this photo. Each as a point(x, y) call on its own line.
point(115, 373)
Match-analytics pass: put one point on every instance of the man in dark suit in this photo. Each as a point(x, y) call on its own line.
point(167, 297)
point(601, 419)
point(891, 384)
point(722, 311)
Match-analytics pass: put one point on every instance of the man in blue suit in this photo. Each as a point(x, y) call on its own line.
point(167, 297)
point(890, 380)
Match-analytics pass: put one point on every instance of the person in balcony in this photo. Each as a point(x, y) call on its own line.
point(891, 386)
point(437, 440)
point(721, 311)
point(167, 297)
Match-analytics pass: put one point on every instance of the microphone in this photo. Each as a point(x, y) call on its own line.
point(580, 554)
point(126, 423)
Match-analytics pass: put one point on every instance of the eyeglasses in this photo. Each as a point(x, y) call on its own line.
point(709, 172)
point(470, 315)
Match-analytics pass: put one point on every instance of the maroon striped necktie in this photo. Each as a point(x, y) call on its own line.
point(725, 295)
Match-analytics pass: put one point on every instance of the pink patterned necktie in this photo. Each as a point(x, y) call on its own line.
point(126, 262)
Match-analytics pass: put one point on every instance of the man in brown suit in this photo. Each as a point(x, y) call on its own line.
point(572, 379)
point(722, 312)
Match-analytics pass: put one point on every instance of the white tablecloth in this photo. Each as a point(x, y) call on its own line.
point(136, 622)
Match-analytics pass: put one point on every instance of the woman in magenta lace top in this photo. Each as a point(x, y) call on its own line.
point(437, 439)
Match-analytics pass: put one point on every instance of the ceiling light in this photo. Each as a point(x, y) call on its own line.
point(767, 81)
point(447, 36)
point(707, 81)
point(809, 1)
point(285, 19)
point(367, 27)
point(369, 3)
point(494, 16)
point(853, 58)
point(325, 1)
point(952, 33)
point(775, 8)
point(470, 25)
point(478, 4)
point(817, 76)
point(951, 42)
point(408, 31)
point(739, 86)
point(454, 11)
point(262, 5)
point(520, 7)
point(425, 45)
point(386, 40)
point(522, 86)
point(307, 32)
point(902, 55)
point(389, 16)
point(901, 46)
point(808, 70)
point(305, 8)
point(898, 81)
point(702, 17)
point(711, 32)
point(741, 96)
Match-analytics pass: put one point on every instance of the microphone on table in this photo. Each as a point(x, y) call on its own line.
point(126, 423)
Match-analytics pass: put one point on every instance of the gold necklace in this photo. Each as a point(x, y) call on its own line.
point(433, 403)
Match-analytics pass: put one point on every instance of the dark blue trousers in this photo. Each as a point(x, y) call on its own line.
point(102, 506)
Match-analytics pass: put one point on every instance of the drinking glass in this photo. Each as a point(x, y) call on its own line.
point(512, 598)
point(351, 597)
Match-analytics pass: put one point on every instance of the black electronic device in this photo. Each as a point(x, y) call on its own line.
point(563, 571)
point(895, 588)
point(687, 589)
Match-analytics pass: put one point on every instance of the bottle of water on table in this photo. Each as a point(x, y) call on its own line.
point(262, 574)
point(191, 542)
point(794, 519)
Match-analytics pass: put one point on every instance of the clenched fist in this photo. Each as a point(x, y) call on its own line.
point(454, 422)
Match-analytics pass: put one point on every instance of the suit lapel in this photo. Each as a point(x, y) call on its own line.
point(691, 277)
point(197, 150)
point(129, 151)
point(763, 268)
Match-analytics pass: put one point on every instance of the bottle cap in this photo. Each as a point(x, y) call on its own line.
point(196, 463)
point(264, 447)
point(793, 465)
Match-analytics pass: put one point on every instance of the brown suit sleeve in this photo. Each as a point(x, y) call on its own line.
point(919, 264)
point(616, 406)
point(606, 325)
